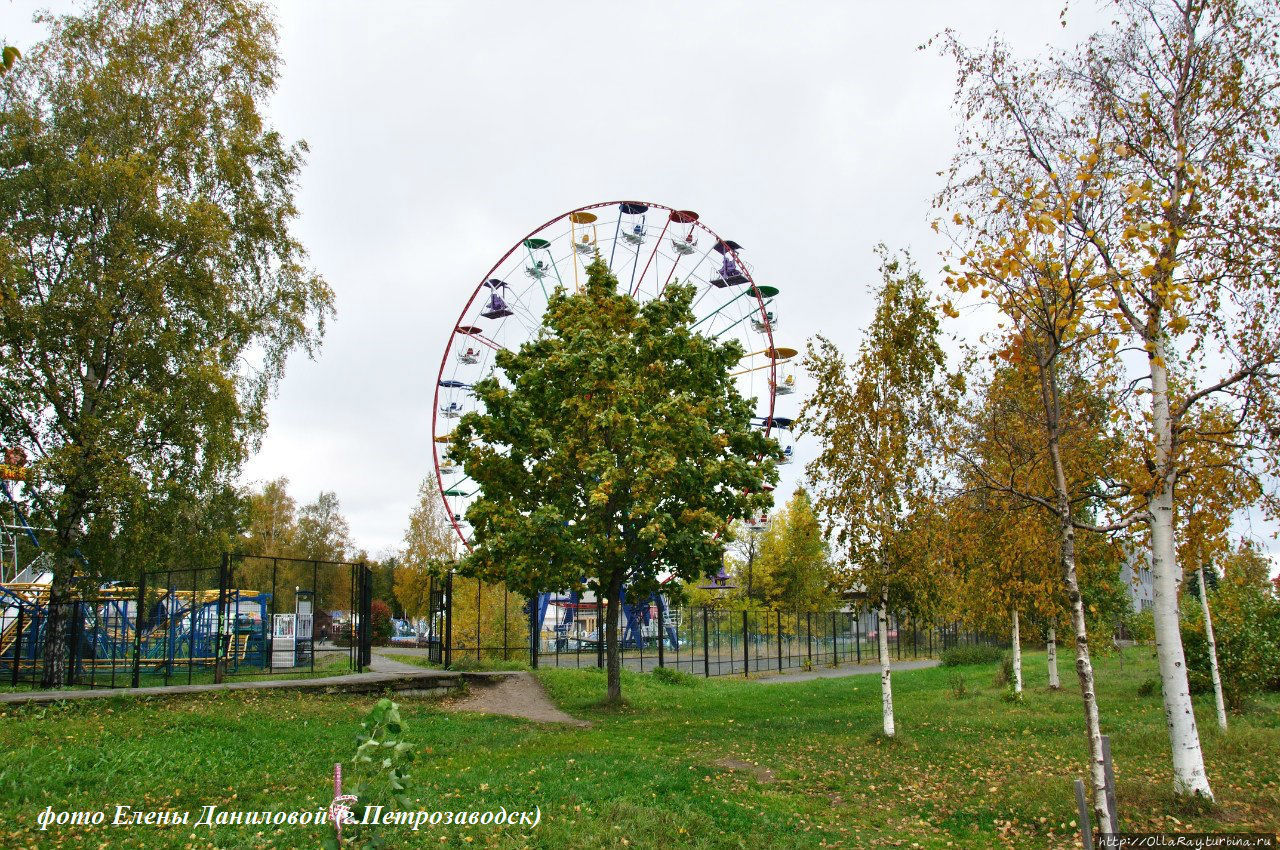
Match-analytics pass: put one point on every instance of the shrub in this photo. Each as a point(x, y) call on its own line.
point(1149, 687)
point(1004, 676)
point(1246, 626)
point(670, 676)
point(380, 623)
point(958, 687)
point(976, 654)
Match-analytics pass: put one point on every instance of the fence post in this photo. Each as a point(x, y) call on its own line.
point(779, 641)
point(1110, 776)
point(448, 622)
point(504, 621)
point(746, 656)
point(533, 631)
point(599, 632)
point(366, 617)
point(835, 647)
point(137, 629)
point(706, 646)
point(17, 647)
point(857, 633)
point(218, 658)
point(1082, 807)
point(808, 628)
point(662, 634)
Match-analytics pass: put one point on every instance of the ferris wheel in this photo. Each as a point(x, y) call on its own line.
point(647, 246)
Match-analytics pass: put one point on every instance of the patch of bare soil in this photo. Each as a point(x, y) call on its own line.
point(762, 774)
point(517, 695)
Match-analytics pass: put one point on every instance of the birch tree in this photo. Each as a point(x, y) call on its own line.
point(1175, 111)
point(151, 287)
point(876, 419)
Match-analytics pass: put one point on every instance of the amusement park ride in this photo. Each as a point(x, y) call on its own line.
point(118, 631)
point(647, 246)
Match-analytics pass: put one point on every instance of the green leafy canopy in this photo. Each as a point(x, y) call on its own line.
point(615, 446)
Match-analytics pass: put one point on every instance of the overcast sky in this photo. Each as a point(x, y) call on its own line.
point(440, 133)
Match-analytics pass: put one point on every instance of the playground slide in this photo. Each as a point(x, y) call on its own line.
point(9, 614)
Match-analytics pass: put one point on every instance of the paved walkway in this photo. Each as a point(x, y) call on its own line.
point(410, 678)
point(379, 663)
point(841, 672)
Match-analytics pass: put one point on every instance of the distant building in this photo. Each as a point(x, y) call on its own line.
point(1139, 586)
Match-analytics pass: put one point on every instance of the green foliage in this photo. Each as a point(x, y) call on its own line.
point(1246, 629)
point(1149, 687)
point(959, 688)
point(877, 421)
point(146, 258)
point(793, 567)
point(1141, 626)
point(613, 447)
point(961, 655)
point(672, 676)
point(380, 771)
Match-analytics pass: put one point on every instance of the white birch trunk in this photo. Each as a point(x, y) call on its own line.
point(1051, 647)
point(1189, 775)
point(1093, 728)
point(1017, 654)
point(1218, 702)
point(886, 683)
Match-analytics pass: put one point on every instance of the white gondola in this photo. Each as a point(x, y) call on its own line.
point(585, 245)
point(786, 386)
point(469, 356)
point(452, 410)
point(448, 466)
point(538, 270)
point(758, 523)
point(635, 236)
point(761, 325)
point(788, 454)
point(685, 246)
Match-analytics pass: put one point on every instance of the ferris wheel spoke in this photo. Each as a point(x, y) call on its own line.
point(656, 245)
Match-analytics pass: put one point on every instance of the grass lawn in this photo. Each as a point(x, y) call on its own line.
point(719, 763)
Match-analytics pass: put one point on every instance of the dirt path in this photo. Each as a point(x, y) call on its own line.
point(517, 695)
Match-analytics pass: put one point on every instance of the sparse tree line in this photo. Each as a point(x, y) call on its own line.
point(1112, 216)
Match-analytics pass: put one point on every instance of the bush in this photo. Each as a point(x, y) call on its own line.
point(958, 687)
point(1246, 626)
point(976, 654)
point(671, 676)
point(1149, 687)
point(1004, 676)
point(380, 623)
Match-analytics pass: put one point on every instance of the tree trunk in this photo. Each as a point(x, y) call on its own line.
point(1084, 671)
point(1051, 647)
point(1017, 654)
point(613, 665)
point(1189, 775)
point(886, 682)
point(1218, 702)
point(57, 649)
point(1084, 665)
